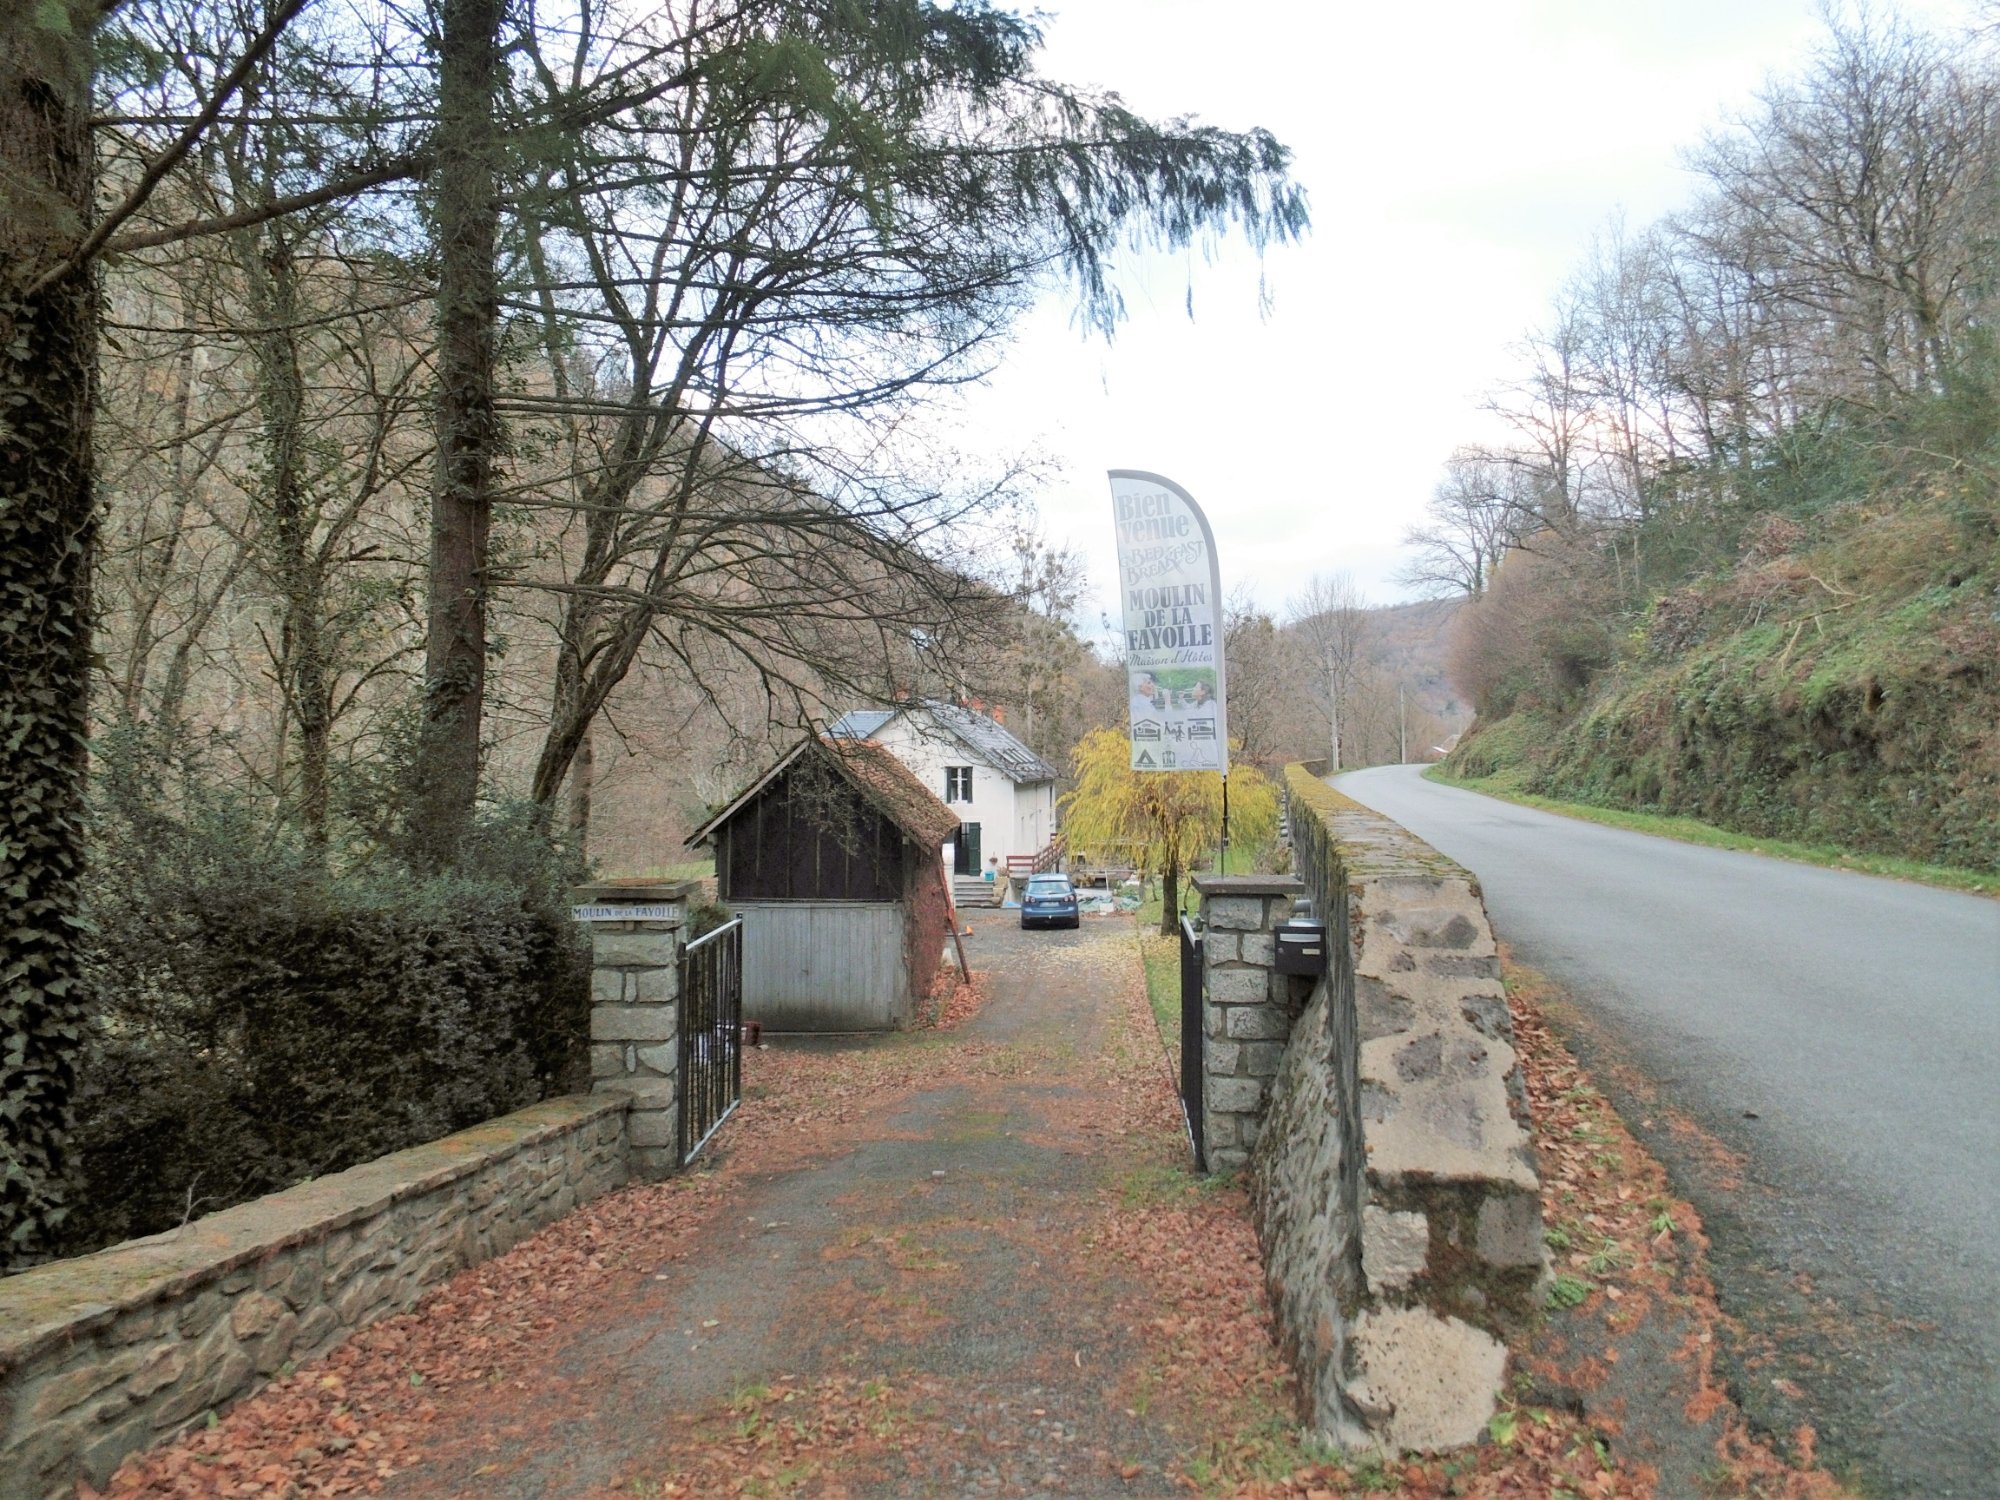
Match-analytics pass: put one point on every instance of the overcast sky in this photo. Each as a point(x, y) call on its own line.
point(1459, 154)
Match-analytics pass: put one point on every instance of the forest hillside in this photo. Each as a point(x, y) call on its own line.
point(1839, 684)
point(1742, 561)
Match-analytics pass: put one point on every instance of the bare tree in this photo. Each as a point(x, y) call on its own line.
point(1548, 408)
point(1862, 195)
point(748, 286)
point(1479, 509)
point(1271, 676)
point(1037, 664)
point(279, 496)
point(1331, 615)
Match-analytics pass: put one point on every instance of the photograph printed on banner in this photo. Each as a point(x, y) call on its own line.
point(1174, 721)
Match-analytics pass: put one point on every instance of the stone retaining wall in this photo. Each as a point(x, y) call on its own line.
point(108, 1354)
point(1393, 1174)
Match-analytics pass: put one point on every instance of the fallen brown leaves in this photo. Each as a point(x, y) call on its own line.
point(349, 1421)
point(955, 999)
point(1186, 1246)
point(345, 1423)
point(789, 1435)
point(1177, 1255)
point(1617, 1234)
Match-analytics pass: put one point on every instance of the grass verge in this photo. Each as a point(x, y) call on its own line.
point(1693, 831)
point(1162, 958)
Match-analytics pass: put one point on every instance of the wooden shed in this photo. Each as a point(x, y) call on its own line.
point(833, 858)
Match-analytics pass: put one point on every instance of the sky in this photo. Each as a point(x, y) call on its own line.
point(1459, 156)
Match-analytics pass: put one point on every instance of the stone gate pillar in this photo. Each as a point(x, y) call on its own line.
point(1247, 1007)
point(637, 929)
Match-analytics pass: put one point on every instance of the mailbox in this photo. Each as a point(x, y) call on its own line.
point(1301, 946)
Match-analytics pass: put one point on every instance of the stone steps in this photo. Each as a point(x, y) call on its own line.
point(973, 890)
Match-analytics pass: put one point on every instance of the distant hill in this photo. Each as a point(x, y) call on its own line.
point(1408, 642)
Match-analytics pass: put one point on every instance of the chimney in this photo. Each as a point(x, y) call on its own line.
point(999, 713)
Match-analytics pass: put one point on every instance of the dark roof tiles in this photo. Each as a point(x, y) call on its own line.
point(986, 737)
point(860, 723)
point(994, 741)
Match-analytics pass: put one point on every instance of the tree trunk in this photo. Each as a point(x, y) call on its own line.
point(158, 576)
point(581, 771)
point(580, 694)
point(48, 347)
point(468, 428)
point(1170, 897)
point(302, 674)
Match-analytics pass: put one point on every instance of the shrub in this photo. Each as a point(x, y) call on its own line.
point(259, 1018)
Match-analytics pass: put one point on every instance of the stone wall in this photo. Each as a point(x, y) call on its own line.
point(108, 1354)
point(1393, 1172)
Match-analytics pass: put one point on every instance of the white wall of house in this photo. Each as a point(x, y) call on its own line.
point(1034, 815)
point(1012, 819)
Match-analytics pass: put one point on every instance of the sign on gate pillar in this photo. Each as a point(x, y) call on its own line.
point(636, 932)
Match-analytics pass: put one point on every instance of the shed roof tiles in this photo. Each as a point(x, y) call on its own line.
point(888, 784)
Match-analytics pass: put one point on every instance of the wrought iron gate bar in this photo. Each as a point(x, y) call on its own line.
point(1193, 1039)
point(711, 1034)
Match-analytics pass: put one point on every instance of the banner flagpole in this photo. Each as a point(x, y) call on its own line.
point(1176, 670)
point(1170, 586)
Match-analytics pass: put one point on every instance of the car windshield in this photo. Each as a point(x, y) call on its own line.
point(1045, 886)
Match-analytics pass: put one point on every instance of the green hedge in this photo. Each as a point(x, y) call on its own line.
point(258, 1019)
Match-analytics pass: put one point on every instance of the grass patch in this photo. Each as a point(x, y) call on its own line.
point(1162, 958)
point(1694, 831)
point(1147, 912)
point(1156, 1184)
point(1267, 1449)
point(1568, 1291)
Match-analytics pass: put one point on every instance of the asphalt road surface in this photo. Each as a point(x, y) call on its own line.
point(1834, 1039)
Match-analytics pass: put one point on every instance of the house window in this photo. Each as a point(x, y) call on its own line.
point(958, 783)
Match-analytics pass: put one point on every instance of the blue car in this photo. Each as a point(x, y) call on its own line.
point(1049, 901)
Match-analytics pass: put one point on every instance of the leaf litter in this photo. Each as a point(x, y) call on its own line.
point(1175, 1257)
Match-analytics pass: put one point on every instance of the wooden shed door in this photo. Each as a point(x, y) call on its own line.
point(833, 966)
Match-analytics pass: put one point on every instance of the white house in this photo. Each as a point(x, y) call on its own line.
point(1003, 793)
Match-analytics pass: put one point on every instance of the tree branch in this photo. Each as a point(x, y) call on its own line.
point(157, 169)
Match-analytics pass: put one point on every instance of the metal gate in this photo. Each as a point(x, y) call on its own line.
point(711, 1034)
point(1192, 1038)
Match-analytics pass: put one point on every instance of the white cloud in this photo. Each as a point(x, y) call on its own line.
point(1459, 155)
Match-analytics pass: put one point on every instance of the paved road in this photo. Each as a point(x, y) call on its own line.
point(1842, 1033)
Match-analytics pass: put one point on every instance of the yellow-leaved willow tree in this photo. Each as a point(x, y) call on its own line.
point(1159, 820)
